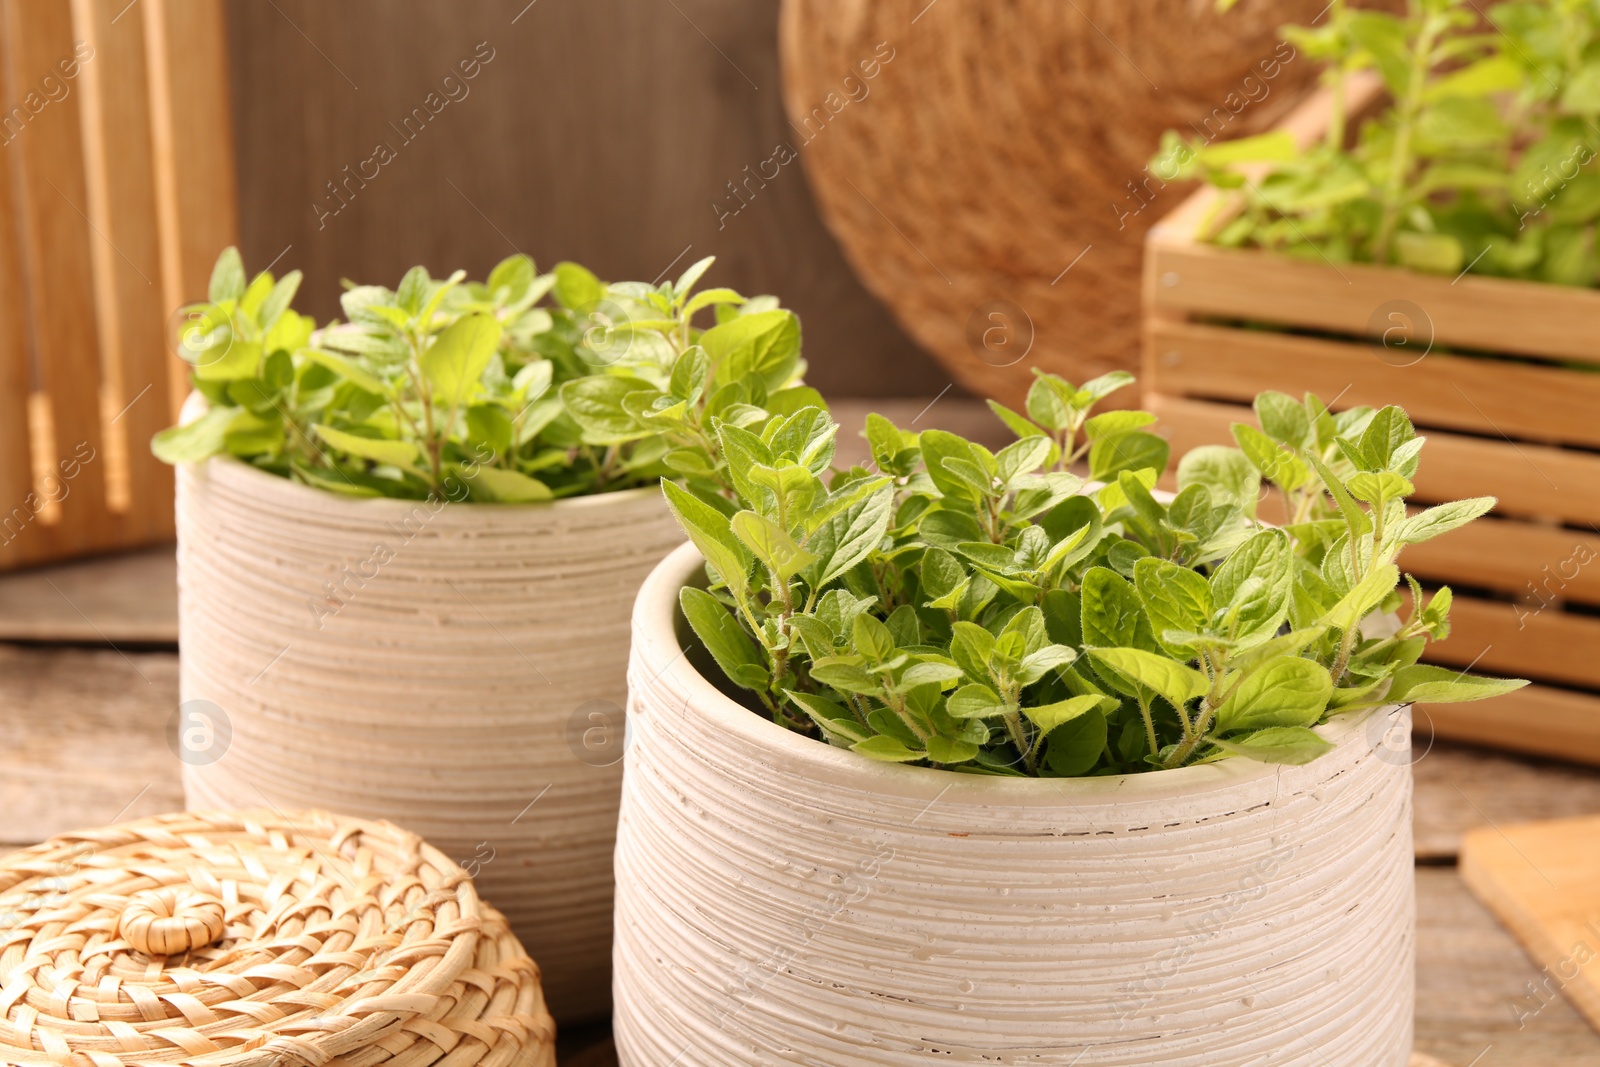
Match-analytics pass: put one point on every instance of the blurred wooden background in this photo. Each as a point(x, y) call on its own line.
point(602, 131)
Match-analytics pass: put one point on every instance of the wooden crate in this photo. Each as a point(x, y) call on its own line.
point(116, 192)
point(1502, 376)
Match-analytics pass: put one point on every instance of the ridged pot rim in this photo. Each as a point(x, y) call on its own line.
point(228, 467)
point(658, 652)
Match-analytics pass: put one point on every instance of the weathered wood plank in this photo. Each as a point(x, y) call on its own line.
point(85, 739)
point(1472, 311)
point(16, 460)
point(123, 599)
point(1515, 639)
point(1459, 788)
point(1540, 720)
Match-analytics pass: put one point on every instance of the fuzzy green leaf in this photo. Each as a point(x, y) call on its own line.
point(395, 453)
point(455, 362)
point(886, 750)
point(712, 534)
point(723, 637)
point(1423, 683)
point(1286, 692)
point(1430, 523)
point(1292, 745)
point(194, 442)
point(1165, 677)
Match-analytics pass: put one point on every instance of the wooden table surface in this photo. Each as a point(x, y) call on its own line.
point(85, 700)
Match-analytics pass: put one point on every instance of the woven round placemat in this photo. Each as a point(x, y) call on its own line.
point(1001, 139)
point(253, 939)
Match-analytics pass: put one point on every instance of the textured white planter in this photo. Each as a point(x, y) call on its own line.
point(783, 902)
point(458, 669)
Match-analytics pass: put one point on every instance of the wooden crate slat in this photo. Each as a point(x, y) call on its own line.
point(1494, 552)
point(1484, 314)
point(1521, 401)
point(192, 128)
point(38, 36)
point(1540, 720)
point(1540, 564)
point(18, 528)
point(1529, 480)
point(1500, 638)
point(133, 325)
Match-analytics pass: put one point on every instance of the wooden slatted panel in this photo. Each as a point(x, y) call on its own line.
point(1484, 314)
point(192, 127)
point(60, 281)
point(1520, 401)
point(1529, 480)
point(116, 193)
point(122, 198)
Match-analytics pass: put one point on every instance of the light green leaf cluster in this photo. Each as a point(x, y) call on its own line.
point(991, 612)
point(521, 388)
point(1483, 157)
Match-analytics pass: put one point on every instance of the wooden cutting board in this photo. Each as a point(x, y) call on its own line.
point(1542, 880)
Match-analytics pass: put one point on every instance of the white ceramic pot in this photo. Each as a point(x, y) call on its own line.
point(784, 902)
point(458, 669)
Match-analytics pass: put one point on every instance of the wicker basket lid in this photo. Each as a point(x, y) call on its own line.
point(254, 939)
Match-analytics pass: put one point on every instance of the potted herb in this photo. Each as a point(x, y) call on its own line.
point(1423, 232)
point(968, 757)
point(408, 543)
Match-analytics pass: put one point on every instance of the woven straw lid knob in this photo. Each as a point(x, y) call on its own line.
point(170, 920)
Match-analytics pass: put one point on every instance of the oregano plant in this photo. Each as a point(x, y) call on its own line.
point(1481, 158)
point(998, 613)
point(524, 387)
